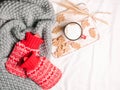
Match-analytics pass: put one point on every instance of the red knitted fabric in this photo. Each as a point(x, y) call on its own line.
point(41, 71)
point(21, 49)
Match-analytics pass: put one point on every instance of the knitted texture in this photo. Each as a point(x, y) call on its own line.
point(22, 49)
point(19, 16)
point(12, 82)
point(16, 18)
point(41, 71)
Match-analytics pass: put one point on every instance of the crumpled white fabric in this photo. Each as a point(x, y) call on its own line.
point(97, 66)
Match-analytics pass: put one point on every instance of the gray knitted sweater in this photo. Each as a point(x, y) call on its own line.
point(16, 18)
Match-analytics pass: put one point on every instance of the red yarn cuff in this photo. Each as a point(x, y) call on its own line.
point(31, 62)
point(32, 41)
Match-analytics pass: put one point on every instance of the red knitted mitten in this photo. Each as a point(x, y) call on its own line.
point(41, 71)
point(21, 49)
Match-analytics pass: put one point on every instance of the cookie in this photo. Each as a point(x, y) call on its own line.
point(92, 32)
point(57, 29)
point(75, 45)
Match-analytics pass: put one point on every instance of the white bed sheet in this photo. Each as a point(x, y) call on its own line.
point(97, 66)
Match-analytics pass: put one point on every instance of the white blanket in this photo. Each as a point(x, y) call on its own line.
point(97, 66)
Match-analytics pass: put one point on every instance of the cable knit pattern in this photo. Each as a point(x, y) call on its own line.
point(41, 71)
point(16, 18)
